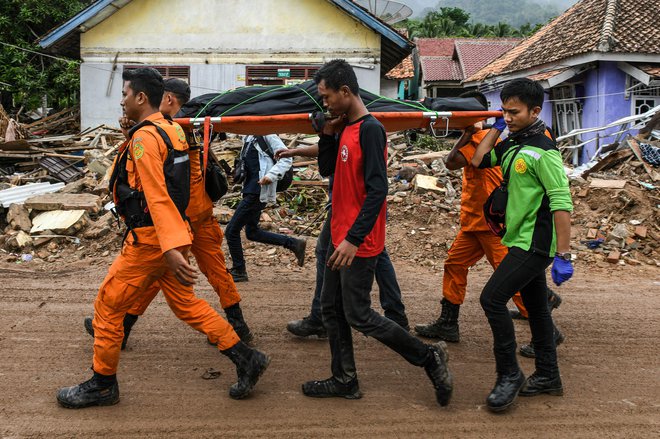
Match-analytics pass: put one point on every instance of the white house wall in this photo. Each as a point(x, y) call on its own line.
point(217, 39)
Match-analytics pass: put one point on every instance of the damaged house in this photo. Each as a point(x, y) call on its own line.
point(599, 62)
point(218, 45)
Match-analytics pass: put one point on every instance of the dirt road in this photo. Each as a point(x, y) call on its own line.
point(610, 364)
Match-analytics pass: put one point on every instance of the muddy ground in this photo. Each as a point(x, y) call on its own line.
point(609, 362)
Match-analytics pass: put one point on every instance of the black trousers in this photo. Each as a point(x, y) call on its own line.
point(522, 271)
point(346, 303)
point(388, 286)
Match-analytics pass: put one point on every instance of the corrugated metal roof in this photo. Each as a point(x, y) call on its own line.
point(18, 194)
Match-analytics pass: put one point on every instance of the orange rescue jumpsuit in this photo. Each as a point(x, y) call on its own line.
point(206, 244)
point(475, 239)
point(141, 262)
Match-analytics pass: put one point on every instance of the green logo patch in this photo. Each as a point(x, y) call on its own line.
point(138, 150)
point(180, 133)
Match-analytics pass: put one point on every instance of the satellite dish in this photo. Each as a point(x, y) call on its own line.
point(389, 11)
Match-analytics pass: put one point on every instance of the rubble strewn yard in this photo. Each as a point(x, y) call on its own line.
point(57, 243)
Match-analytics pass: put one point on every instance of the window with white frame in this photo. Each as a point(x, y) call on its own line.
point(567, 110)
point(642, 97)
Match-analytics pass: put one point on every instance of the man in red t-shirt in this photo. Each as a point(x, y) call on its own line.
point(354, 147)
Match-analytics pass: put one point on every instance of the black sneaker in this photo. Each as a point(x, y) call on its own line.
point(238, 274)
point(437, 369)
point(536, 384)
point(505, 391)
point(298, 249)
point(88, 394)
point(307, 327)
point(527, 350)
point(332, 388)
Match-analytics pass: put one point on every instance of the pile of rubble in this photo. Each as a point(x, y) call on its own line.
point(52, 202)
point(617, 207)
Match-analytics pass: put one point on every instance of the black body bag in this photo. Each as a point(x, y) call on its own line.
point(495, 205)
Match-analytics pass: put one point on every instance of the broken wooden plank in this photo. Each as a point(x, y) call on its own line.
point(426, 183)
point(612, 159)
point(607, 184)
point(309, 183)
point(427, 157)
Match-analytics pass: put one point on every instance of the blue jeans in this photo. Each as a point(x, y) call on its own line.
point(388, 286)
point(247, 215)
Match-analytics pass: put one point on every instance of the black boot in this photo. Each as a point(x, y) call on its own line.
point(505, 391)
point(437, 369)
point(239, 274)
point(89, 327)
point(250, 364)
point(298, 248)
point(537, 384)
point(99, 390)
point(528, 351)
point(307, 327)
point(446, 327)
point(129, 321)
point(332, 387)
point(236, 320)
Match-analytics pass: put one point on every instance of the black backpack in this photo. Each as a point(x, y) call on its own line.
point(239, 166)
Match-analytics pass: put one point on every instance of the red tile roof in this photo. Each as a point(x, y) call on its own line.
point(404, 70)
point(453, 59)
point(441, 68)
point(541, 76)
point(650, 69)
point(435, 46)
point(600, 26)
point(474, 54)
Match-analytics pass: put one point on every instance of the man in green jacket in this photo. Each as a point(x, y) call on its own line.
point(537, 233)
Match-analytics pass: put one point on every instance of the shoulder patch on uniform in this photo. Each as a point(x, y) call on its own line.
point(180, 133)
point(520, 166)
point(138, 148)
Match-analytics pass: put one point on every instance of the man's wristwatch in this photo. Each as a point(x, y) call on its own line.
point(565, 256)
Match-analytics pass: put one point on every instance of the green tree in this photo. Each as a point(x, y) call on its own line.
point(25, 74)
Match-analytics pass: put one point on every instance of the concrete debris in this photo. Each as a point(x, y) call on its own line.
point(18, 218)
point(64, 222)
point(89, 202)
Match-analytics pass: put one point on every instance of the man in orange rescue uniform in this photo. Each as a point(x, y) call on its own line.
point(474, 239)
point(150, 186)
point(207, 235)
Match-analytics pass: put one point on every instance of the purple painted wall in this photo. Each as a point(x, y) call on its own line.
point(604, 102)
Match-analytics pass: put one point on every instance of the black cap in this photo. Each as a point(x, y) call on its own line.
point(179, 88)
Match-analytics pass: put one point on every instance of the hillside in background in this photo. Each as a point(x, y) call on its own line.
point(513, 12)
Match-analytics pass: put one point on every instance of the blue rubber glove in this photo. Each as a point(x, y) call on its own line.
point(562, 270)
point(499, 124)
